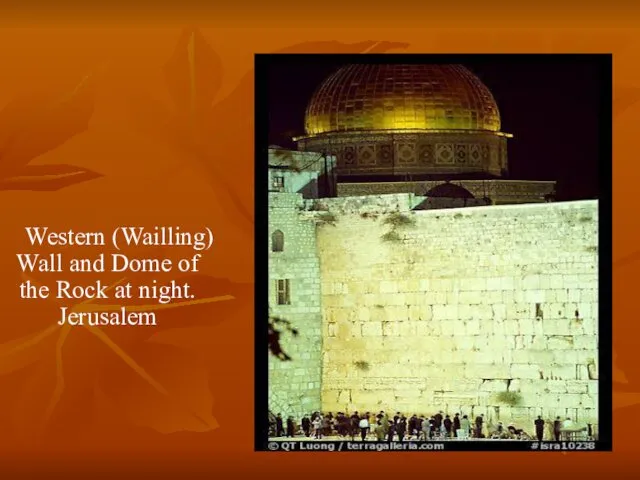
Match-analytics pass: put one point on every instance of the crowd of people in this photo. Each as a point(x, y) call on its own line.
point(440, 426)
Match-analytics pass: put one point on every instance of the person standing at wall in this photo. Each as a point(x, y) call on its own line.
point(364, 427)
point(479, 422)
point(279, 426)
point(317, 427)
point(401, 428)
point(438, 420)
point(291, 427)
point(456, 424)
point(539, 423)
point(306, 426)
point(426, 429)
point(413, 423)
point(447, 426)
point(465, 426)
point(557, 428)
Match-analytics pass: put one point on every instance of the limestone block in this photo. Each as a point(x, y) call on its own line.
point(423, 329)
point(525, 371)
point(556, 281)
point(573, 295)
point(459, 327)
point(566, 356)
point(390, 329)
point(511, 327)
point(592, 388)
point(586, 342)
point(525, 342)
point(419, 313)
point(407, 329)
point(372, 329)
point(562, 296)
point(364, 314)
point(484, 312)
point(526, 326)
point(563, 372)
point(576, 387)
point(439, 312)
point(560, 342)
point(538, 357)
point(477, 298)
point(499, 311)
point(387, 286)
point(531, 282)
point(496, 328)
point(447, 328)
point(493, 386)
point(472, 327)
point(535, 296)
point(531, 399)
point(570, 281)
point(494, 283)
point(488, 371)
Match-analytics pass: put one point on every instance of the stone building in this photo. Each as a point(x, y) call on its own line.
point(404, 297)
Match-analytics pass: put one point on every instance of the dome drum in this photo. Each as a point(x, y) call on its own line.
point(399, 119)
point(379, 153)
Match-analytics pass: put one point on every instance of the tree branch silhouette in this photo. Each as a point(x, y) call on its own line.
point(277, 326)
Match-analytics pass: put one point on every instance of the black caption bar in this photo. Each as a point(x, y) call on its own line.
point(446, 446)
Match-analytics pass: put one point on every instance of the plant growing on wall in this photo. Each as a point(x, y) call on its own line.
point(512, 399)
point(276, 326)
point(362, 365)
point(326, 218)
point(397, 220)
point(391, 236)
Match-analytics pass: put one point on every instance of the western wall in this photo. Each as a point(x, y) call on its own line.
point(446, 309)
point(475, 310)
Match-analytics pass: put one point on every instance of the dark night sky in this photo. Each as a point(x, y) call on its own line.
point(552, 105)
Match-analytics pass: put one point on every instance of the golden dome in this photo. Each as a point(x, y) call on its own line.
point(402, 97)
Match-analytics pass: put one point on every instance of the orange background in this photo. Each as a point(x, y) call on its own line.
point(177, 401)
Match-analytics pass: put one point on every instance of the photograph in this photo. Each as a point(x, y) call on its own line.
point(439, 248)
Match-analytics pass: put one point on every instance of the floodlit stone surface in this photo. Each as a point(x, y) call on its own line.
point(446, 312)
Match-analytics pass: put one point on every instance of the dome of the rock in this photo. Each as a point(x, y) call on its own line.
point(398, 120)
point(401, 97)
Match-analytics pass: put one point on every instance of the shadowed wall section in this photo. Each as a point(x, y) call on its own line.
point(294, 296)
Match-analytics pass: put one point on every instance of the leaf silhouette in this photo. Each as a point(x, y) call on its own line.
point(624, 98)
point(618, 375)
point(627, 259)
point(332, 46)
point(174, 393)
point(625, 399)
point(167, 388)
point(193, 74)
point(45, 123)
point(20, 353)
point(47, 177)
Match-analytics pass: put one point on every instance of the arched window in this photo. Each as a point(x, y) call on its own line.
point(277, 241)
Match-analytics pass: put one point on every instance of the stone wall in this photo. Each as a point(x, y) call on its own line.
point(294, 386)
point(450, 309)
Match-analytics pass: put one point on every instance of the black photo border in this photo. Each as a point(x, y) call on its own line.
point(605, 294)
